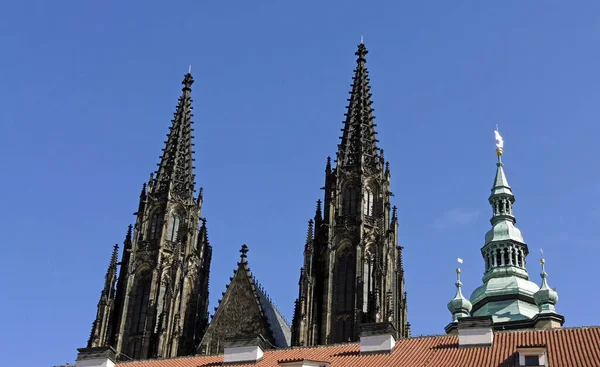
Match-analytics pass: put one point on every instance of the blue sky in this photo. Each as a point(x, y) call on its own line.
point(88, 90)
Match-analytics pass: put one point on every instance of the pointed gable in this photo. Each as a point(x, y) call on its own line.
point(245, 309)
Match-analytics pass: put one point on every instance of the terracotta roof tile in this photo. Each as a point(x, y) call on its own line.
point(565, 347)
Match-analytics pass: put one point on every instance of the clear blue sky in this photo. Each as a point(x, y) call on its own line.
point(88, 90)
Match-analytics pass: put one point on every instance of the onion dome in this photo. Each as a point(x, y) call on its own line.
point(459, 306)
point(546, 298)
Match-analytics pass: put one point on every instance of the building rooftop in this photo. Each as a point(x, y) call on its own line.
point(578, 346)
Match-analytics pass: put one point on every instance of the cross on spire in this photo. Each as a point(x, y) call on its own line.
point(244, 252)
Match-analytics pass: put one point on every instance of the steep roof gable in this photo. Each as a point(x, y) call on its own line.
point(245, 309)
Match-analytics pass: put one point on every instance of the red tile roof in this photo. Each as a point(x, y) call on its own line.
point(565, 347)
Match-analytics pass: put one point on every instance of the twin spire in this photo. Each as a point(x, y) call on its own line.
point(175, 170)
point(358, 142)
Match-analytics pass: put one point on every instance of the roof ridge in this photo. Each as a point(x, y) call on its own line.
point(268, 297)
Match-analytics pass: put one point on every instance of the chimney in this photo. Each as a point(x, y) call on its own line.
point(475, 331)
point(377, 337)
point(245, 349)
point(96, 357)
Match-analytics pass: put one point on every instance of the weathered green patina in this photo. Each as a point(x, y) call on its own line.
point(507, 293)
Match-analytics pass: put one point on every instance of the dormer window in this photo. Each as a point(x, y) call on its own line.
point(532, 356)
point(532, 360)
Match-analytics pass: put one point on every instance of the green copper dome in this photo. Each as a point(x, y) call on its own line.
point(502, 231)
point(546, 297)
point(459, 306)
point(506, 294)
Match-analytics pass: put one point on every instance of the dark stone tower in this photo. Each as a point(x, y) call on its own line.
point(159, 307)
point(352, 270)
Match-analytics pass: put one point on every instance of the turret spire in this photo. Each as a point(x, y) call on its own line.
point(359, 137)
point(506, 283)
point(459, 306)
point(309, 235)
point(175, 171)
point(546, 298)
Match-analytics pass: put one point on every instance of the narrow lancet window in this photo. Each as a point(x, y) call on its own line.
point(173, 227)
point(368, 201)
point(349, 201)
point(154, 231)
point(344, 295)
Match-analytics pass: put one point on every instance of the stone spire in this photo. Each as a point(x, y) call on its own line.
point(355, 244)
point(101, 328)
point(309, 236)
point(175, 170)
point(359, 142)
point(459, 306)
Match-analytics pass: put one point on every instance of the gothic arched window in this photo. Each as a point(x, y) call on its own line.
point(140, 304)
point(345, 278)
point(154, 230)
point(173, 227)
point(368, 201)
point(349, 201)
point(367, 279)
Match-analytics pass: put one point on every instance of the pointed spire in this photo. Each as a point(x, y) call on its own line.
point(459, 306)
point(318, 213)
point(501, 198)
point(128, 238)
point(111, 275)
point(359, 136)
point(546, 297)
point(142, 203)
point(309, 236)
point(203, 237)
point(175, 170)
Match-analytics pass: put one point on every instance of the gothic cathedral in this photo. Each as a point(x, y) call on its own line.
point(159, 306)
point(155, 300)
point(352, 270)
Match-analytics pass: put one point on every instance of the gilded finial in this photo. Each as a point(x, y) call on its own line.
point(499, 143)
point(543, 263)
point(458, 271)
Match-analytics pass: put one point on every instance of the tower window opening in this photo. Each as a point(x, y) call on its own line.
point(349, 201)
point(173, 227)
point(141, 304)
point(498, 257)
point(154, 231)
point(344, 292)
point(368, 202)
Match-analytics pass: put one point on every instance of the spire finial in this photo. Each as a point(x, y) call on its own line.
point(361, 53)
point(188, 80)
point(458, 271)
point(546, 297)
point(459, 306)
point(543, 263)
point(499, 144)
point(244, 252)
point(362, 41)
point(190, 69)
